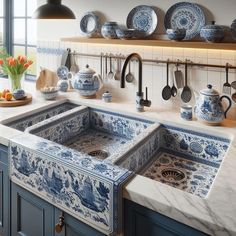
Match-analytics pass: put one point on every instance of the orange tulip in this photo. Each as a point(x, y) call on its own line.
point(12, 62)
point(9, 58)
point(1, 61)
point(30, 62)
point(26, 65)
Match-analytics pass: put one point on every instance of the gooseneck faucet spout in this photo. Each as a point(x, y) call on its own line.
point(140, 102)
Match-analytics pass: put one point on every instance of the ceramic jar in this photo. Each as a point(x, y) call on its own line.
point(107, 97)
point(109, 30)
point(87, 82)
point(212, 33)
point(186, 112)
point(209, 108)
point(63, 85)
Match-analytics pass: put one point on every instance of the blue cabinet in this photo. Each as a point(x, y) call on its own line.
point(4, 192)
point(141, 221)
point(32, 216)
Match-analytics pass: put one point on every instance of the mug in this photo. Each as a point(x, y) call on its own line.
point(186, 112)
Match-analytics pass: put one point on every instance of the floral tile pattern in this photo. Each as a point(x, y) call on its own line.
point(209, 148)
point(24, 123)
point(196, 178)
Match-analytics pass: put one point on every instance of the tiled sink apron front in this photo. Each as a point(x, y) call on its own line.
point(83, 186)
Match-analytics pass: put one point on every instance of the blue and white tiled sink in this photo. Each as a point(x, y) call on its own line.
point(73, 160)
point(187, 160)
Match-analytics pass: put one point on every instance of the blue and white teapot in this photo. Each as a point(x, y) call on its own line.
point(87, 82)
point(208, 106)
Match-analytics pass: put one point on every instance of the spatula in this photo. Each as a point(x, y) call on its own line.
point(178, 76)
point(226, 85)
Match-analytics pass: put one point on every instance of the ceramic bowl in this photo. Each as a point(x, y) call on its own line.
point(176, 34)
point(109, 30)
point(49, 93)
point(19, 94)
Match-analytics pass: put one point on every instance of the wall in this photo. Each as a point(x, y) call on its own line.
point(49, 33)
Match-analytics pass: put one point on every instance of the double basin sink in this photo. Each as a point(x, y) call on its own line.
point(182, 158)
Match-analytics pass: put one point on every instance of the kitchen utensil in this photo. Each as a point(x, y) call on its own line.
point(233, 85)
point(208, 108)
point(143, 18)
point(234, 97)
point(178, 77)
point(226, 85)
point(105, 75)
point(110, 73)
point(74, 67)
point(117, 73)
point(173, 90)
point(129, 77)
point(101, 65)
point(186, 94)
point(166, 92)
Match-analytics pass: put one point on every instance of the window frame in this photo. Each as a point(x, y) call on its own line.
point(8, 40)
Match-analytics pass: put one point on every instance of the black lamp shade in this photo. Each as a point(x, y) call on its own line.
point(53, 9)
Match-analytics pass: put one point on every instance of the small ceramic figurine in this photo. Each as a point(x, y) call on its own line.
point(208, 106)
point(87, 82)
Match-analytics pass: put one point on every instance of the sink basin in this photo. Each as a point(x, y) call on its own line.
point(187, 160)
point(96, 133)
point(28, 120)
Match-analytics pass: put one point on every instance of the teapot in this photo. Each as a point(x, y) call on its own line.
point(87, 82)
point(208, 106)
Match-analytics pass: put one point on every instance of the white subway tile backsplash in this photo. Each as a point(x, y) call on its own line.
point(154, 75)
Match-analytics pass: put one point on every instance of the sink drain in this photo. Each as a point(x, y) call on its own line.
point(172, 174)
point(100, 154)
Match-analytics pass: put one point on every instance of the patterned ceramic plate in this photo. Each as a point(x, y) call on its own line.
point(62, 72)
point(143, 18)
point(185, 15)
point(89, 24)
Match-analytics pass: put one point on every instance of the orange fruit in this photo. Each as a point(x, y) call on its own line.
point(4, 92)
point(8, 96)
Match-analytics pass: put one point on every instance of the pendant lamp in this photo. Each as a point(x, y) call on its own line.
point(53, 9)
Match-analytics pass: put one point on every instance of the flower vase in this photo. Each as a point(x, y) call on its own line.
point(15, 81)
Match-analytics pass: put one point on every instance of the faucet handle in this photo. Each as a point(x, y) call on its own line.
point(146, 102)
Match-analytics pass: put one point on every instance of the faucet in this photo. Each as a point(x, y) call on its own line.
point(140, 102)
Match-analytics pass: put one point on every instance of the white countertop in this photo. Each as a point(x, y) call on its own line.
point(215, 215)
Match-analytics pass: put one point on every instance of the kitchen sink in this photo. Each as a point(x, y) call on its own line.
point(187, 160)
point(29, 119)
point(104, 135)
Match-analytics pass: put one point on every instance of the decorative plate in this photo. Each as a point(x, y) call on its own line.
point(143, 18)
point(62, 72)
point(185, 15)
point(89, 24)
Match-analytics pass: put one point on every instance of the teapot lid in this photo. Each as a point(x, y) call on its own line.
point(87, 70)
point(209, 91)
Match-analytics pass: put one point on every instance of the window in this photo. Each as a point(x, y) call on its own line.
point(18, 30)
point(24, 28)
point(1, 22)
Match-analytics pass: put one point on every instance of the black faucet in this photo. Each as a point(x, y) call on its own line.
point(140, 102)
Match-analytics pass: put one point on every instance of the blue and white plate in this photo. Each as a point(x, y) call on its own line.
point(143, 18)
point(89, 24)
point(62, 72)
point(185, 15)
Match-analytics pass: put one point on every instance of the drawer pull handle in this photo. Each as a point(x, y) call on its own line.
point(60, 224)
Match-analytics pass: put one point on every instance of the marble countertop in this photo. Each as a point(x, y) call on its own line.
point(214, 215)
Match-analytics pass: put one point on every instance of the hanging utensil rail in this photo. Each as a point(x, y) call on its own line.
point(179, 62)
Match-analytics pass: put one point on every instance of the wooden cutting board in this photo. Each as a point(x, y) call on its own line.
point(15, 103)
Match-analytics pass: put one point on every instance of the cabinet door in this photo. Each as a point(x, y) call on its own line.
point(4, 192)
point(31, 216)
point(141, 221)
point(74, 227)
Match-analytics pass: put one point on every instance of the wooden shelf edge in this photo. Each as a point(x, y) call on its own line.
point(154, 42)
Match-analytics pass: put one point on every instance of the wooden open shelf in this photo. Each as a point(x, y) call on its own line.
point(154, 42)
